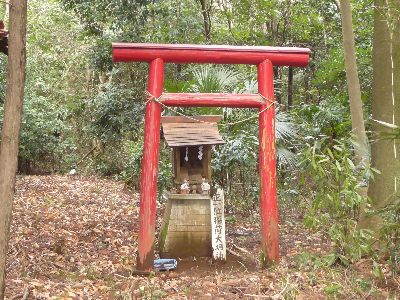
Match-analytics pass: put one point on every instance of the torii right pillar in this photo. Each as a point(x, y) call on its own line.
point(267, 166)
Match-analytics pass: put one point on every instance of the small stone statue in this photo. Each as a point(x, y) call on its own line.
point(205, 187)
point(185, 187)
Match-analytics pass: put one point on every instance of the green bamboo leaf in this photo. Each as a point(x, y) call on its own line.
point(338, 166)
point(351, 164)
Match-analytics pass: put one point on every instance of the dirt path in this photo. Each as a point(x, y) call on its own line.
point(76, 238)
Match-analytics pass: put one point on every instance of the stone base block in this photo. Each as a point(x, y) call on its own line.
point(186, 227)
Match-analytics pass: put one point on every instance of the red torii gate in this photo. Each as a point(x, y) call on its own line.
point(265, 58)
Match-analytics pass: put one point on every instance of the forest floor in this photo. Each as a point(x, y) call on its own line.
point(76, 238)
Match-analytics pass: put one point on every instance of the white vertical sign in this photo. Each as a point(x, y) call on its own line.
point(218, 225)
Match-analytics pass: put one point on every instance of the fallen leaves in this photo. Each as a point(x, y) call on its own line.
point(76, 238)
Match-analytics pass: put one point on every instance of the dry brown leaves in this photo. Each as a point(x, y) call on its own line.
point(76, 238)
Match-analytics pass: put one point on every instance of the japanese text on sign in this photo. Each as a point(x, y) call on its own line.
point(218, 225)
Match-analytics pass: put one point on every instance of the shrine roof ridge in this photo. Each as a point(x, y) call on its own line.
point(183, 119)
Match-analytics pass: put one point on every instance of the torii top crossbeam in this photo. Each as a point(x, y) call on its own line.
point(252, 55)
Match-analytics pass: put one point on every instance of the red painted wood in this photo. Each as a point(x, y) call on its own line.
point(212, 100)
point(148, 192)
point(212, 47)
point(279, 56)
point(267, 167)
point(3, 32)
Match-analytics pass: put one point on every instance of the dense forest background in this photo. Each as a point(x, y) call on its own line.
point(77, 99)
point(82, 111)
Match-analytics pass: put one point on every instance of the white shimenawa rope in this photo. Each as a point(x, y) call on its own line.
point(153, 98)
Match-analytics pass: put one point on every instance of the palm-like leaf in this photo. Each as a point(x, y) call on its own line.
point(285, 129)
point(285, 157)
point(209, 79)
point(213, 80)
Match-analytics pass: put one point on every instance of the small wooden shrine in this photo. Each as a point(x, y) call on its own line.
point(191, 141)
point(186, 228)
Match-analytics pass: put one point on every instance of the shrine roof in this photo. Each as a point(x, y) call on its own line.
point(183, 131)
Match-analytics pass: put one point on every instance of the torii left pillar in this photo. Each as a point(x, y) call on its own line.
point(148, 192)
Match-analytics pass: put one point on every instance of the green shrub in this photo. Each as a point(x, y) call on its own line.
point(333, 183)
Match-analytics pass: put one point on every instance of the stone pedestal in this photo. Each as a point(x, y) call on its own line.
point(186, 227)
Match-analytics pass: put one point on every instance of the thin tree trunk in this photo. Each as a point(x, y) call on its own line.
point(385, 154)
point(11, 125)
point(290, 89)
point(307, 96)
point(353, 86)
point(278, 86)
point(206, 12)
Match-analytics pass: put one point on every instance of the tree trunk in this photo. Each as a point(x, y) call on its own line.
point(353, 86)
point(278, 86)
point(290, 89)
point(11, 125)
point(385, 105)
point(307, 97)
point(206, 12)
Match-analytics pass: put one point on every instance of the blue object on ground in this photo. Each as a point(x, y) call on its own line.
point(166, 264)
